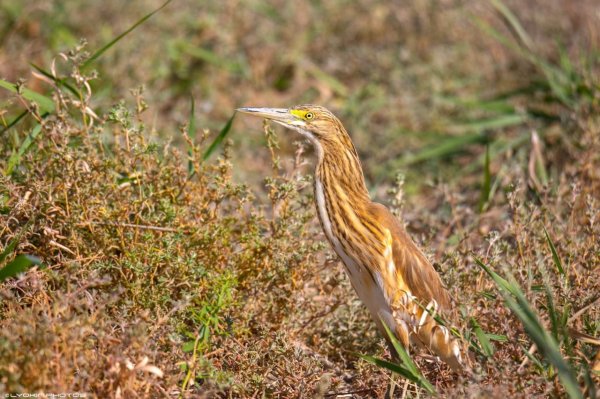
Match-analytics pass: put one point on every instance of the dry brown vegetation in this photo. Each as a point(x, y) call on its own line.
point(168, 272)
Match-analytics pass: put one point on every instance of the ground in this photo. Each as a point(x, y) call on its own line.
point(180, 255)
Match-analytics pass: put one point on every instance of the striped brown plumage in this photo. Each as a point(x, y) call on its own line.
point(389, 272)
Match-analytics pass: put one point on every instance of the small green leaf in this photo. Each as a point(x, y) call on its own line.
point(18, 265)
point(497, 337)
point(188, 346)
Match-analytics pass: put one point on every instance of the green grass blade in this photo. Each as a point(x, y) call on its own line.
point(407, 363)
point(14, 121)
point(549, 348)
point(488, 29)
point(18, 265)
point(513, 22)
point(497, 147)
point(210, 57)
point(191, 132)
point(484, 340)
point(558, 80)
point(497, 122)
point(497, 105)
point(107, 46)
point(404, 357)
point(565, 62)
point(9, 248)
point(551, 310)
point(15, 158)
point(60, 82)
point(446, 148)
point(497, 337)
point(220, 137)
point(13, 243)
point(589, 381)
point(336, 85)
point(555, 257)
point(45, 103)
point(396, 368)
point(533, 359)
point(468, 134)
point(486, 185)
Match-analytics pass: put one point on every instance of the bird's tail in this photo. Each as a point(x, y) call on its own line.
point(416, 324)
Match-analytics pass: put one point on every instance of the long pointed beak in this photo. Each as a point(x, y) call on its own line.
point(281, 115)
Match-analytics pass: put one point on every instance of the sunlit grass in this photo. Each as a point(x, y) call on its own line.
point(177, 249)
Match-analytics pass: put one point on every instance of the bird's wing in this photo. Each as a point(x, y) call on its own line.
point(415, 292)
point(412, 267)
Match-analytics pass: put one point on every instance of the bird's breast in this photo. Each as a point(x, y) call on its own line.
point(326, 222)
point(368, 290)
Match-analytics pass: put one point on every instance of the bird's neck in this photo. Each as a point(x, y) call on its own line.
point(341, 196)
point(340, 172)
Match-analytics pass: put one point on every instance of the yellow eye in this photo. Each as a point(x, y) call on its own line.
point(309, 115)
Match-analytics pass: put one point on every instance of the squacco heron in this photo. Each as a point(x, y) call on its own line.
point(389, 272)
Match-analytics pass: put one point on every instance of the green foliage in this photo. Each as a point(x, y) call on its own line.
point(546, 342)
point(98, 53)
point(486, 185)
point(174, 265)
point(191, 132)
point(407, 368)
point(16, 156)
point(18, 265)
point(151, 240)
point(219, 138)
point(46, 104)
point(483, 338)
point(555, 257)
point(563, 81)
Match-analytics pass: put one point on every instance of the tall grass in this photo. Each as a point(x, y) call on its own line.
point(545, 341)
point(169, 264)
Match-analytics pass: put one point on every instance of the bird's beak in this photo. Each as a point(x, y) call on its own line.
point(282, 116)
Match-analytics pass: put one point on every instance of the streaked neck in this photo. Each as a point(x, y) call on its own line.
point(342, 198)
point(339, 169)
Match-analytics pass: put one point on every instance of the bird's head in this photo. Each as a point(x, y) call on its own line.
point(314, 122)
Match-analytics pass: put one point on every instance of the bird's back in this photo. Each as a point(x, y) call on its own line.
point(415, 293)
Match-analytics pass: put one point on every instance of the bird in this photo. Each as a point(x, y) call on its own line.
point(388, 271)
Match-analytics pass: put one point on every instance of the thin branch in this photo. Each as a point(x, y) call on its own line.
point(139, 226)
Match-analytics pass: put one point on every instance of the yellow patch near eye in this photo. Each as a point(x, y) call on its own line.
point(299, 113)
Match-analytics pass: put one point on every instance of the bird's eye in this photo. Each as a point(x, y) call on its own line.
point(309, 115)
